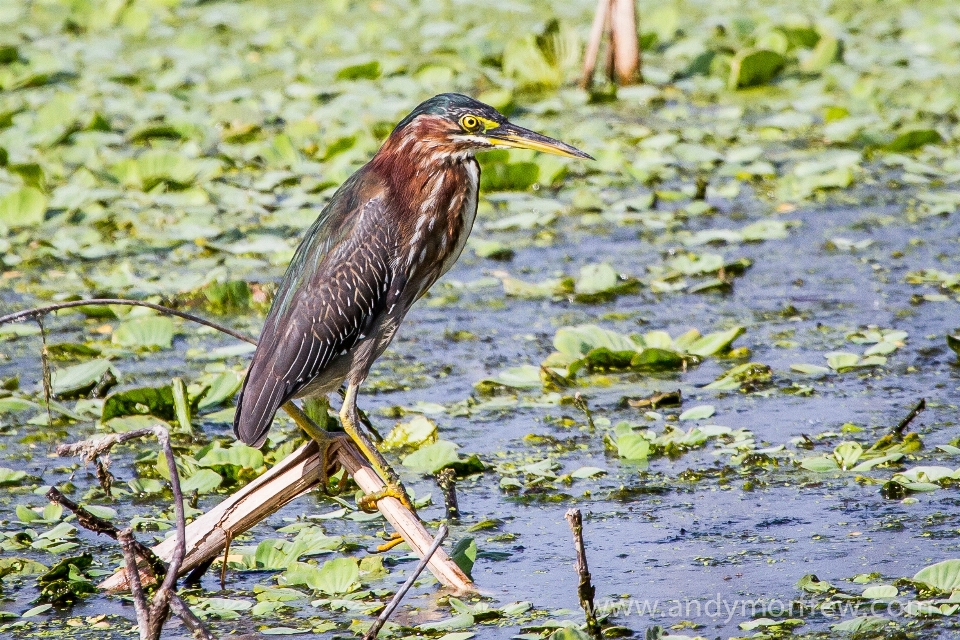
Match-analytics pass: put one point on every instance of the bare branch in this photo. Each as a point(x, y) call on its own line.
point(39, 312)
point(136, 588)
point(100, 526)
point(190, 620)
point(150, 620)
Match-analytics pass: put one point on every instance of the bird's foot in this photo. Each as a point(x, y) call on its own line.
point(392, 489)
point(330, 464)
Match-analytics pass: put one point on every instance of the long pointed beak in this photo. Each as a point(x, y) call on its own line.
point(510, 135)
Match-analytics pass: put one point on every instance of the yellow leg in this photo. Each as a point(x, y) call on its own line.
point(324, 440)
point(351, 424)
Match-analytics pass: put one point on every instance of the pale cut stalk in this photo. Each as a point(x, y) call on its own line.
point(294, 475)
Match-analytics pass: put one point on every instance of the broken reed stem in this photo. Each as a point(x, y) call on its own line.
point(903, 424)
point(618, 20)
point(447, 481)
point(395, 601)
point(585, 589)
point(593, 44)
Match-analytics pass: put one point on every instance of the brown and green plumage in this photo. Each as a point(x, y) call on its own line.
point(389, 232)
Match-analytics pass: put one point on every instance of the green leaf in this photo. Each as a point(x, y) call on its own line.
point(810, 369)
point(820, 464)
point(862, 624)
point(27, 515)
point(337, 576)
point(751, 68)
point(65, 582)
point(633, 446)
point(154, 401)
point(847, 454)
point(365, 71)
point(15, 405)
point(569, 633)
point(147, 332)
point(654, 359)
point(232, 462)
point(37, 610)
point(840, 361)
point(942, 576)
point(827, 51)
point(576, 342)
point(10, 476)
point(714, 343)
point(913, 140)
point(203, 481)
point(462, 621)
point(953, 341)
point(879, 592)
point(80, 377)
point(417, 431)
point(223, 387)
point(749, 375)
point(596, 278)
point(700, 412)
point(587, 472)
point(433, 457)
point(525, 376)
point(812, 584)
point(24, 207)
point(464, 554)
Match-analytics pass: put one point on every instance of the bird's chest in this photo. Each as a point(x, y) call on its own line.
point(443, 224)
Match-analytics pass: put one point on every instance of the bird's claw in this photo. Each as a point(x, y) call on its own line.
point(368, 502)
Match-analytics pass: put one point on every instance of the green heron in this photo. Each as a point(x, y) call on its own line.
point(389, 232)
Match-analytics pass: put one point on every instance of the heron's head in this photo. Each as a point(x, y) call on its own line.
point(457, 125)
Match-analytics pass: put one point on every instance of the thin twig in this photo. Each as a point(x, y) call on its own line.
point(190, 620)
point(395, 602)
point(161, 599)
point(39, 312)
point(45, 364)
point(150, 620)
point(98, 525)
point(585, 589)
point(136, 588)
point(903, 424)
point(223, 567)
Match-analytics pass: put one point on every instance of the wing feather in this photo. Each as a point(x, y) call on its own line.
point(324, 307)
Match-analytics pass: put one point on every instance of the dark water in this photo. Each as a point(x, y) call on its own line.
point(734, 538)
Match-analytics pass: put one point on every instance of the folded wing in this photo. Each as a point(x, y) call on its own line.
point(335, 290)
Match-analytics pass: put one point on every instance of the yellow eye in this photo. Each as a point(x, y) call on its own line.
point(470, 123)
